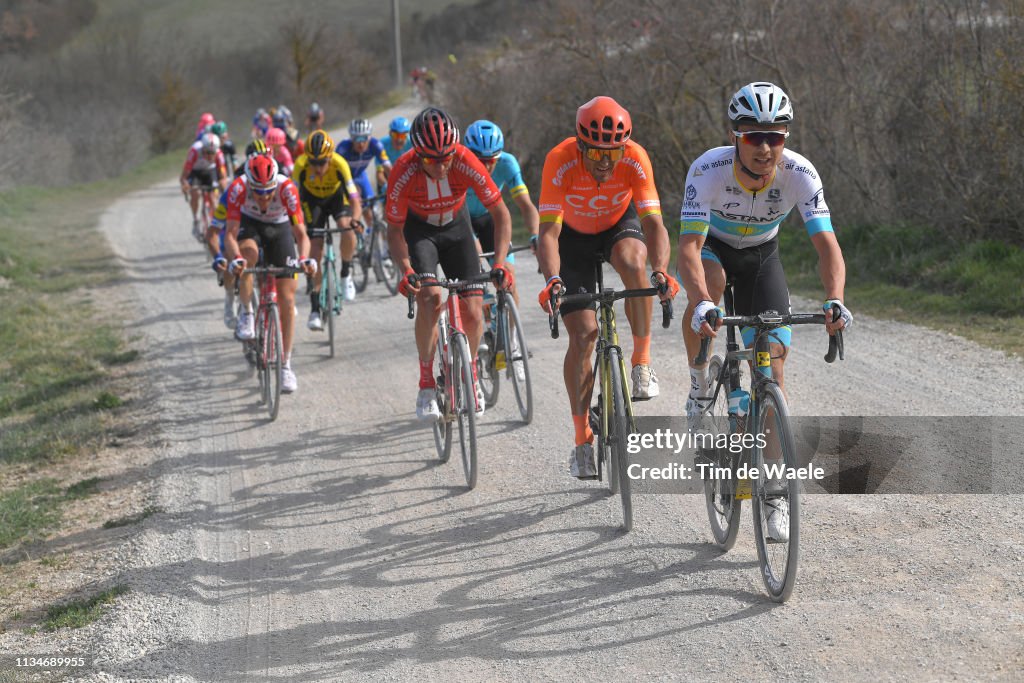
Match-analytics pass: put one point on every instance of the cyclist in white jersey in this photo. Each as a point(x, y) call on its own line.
point(735, 199)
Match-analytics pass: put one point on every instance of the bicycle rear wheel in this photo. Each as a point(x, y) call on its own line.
point(274, 360)
point(260, 354)
point(465, 406)
point(723, 507)
point(517, 355)
point(361, 264)
point(619, 426)
point(382, 263)
point(489, 376)
point(328, 298)
point(777, 534)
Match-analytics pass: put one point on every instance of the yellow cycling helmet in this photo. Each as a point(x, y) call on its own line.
point(319, 145)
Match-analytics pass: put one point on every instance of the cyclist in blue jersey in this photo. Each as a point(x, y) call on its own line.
point(359, 150)
point(734, 201)
point(487, 142)
point(398, 142)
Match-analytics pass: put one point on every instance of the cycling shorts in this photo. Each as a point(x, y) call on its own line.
point(317, 211)
point(577, 252)
point(275, 239)
point(206, 178)
point(483, 228)
point(362, 181)
point(759, 282)
point(452, 246)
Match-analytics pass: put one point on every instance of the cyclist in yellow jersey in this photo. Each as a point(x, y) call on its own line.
point(324, 179)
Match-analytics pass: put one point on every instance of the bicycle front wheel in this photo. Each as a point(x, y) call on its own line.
point(776, 499)
point(490, 378)
point(465, 406)
point(518, 361)
point(619, 426)
point(443, 424)
point(723, 506)
point(274, 360)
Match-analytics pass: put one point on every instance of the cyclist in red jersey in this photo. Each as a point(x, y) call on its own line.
point(263, 210)
point(428, 224)
point(598, 195)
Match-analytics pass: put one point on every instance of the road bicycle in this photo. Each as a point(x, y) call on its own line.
point(207, 202)
point(330, 285)
point(612, 419)
point(372, 252)
point(760, 439)
point(503, 348)
point(267, 350)
point(455, 390)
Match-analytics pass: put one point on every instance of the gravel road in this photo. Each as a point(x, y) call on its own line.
point(331, 544)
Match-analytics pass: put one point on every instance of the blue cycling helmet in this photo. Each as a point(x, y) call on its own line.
point(400, 124)
point(485, 138)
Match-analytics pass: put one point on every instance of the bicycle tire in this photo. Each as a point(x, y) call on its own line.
point(465, 406)
point(328, 296)
point(386, 268)
point(275, 361)
point(442, 426)
point(723, 507)
point(605, 453)
point(778, 559)
point(490, 378)
point(361, 264)
point(619, 424)
point(262, 370)
point(523, 389)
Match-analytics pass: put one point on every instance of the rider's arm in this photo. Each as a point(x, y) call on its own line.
point(528, 211)
point(547, 248)
point(231, 250)
point(656, 237)
point(691, 270)
point(290, 199)
point(399, 249)
point(831, 265)
point(502, 230)
point(345, 171)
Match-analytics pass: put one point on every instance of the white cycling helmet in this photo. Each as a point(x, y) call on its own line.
point(360, 127)
point(211, 143)
point(760, 103)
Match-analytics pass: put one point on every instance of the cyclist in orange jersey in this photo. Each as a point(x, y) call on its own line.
point(598, 196)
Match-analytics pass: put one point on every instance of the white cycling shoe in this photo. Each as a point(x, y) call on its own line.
point(230, 320)
point(288, 382)
point(246, 327)
point(426, 405)
point(582, 463)
point(645, 383)
point(777, 509)
point(348, 288)
point(315, 323)
point(696, 410)
point(479, 399)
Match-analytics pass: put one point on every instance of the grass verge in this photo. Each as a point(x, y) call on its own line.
point(79, 613)
point(905, 274)
point(58, 397)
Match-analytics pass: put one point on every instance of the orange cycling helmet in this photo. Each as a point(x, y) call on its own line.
point(602, 122)
point(261, 172)
point(434, 133)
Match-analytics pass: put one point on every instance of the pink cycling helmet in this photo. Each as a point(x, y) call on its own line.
point(275, 136)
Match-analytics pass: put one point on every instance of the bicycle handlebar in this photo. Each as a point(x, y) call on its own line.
point(607, 296)
point(765, 321)
point(512, 250)
point(279, 271)
point(450, 285)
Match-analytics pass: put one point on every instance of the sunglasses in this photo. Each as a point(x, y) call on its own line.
point(318, 162)
point(598, 153)
point(756, 138)
point(361, 138)
point(399, 135)
point(209, 154)
point(263, 193)
point(488, 160)
point(430, 161)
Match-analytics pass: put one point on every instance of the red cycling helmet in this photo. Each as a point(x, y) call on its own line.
point(602, 122)
point(261, 172)
point(275, 136)
point(434, 133)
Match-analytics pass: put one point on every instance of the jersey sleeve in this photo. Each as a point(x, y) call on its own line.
point(645, 193)
point(235, 197)
point(811, 193)
point(380, 153)
point(552, 197)
point(345, 175)
point(300, 166)
point(290, 200)
point(190, 160)
point(398, 181)
point(481, 182)
point(514, 176)
point(695, 215)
